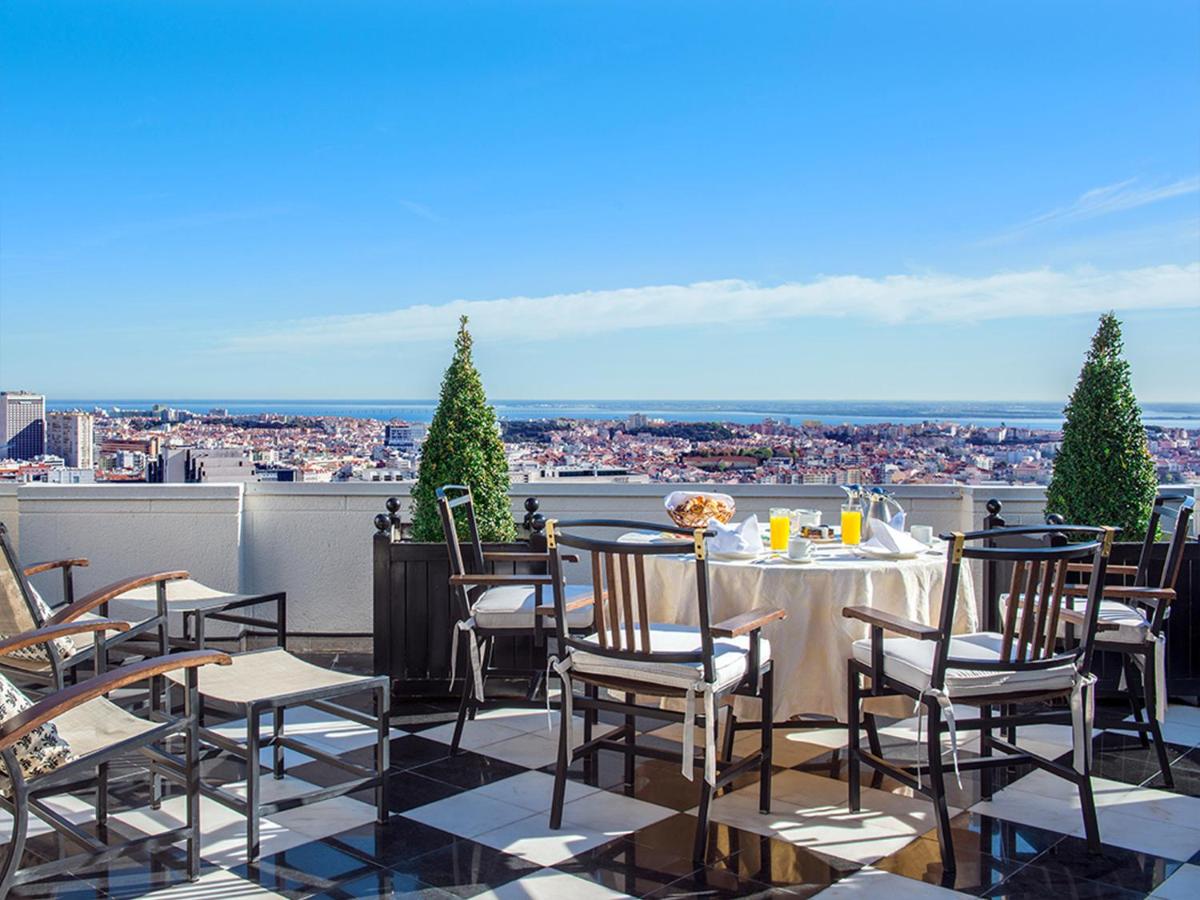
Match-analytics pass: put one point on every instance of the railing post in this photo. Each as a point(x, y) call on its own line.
point(990, 595)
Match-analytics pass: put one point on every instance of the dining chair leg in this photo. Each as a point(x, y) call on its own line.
point(468, 692)
point(1151, 694)
point(382, 753)
point(700, 845)
point(630, 737)
point(1133, 687)
point(985, 750)
point(853, 760)
point(937, 784)
point(727, 741)
point(560, 774)
point(591, 762)
point(1087, 802)
point(767, 733)
point(871, 727)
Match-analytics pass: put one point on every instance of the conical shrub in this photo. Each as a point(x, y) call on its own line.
point(1104, 473)
point(463, 446)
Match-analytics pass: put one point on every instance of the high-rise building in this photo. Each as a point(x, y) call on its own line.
point(404, 438)
point(69, 434)
point(22, 424)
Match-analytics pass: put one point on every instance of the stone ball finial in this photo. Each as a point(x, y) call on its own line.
point(383, 522)
point(531, 504)
point(1055, 519)
point(994, 506)
point(392, 505)
point(537, 522)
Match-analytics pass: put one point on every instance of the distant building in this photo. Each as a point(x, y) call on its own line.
point(404, 438)
point(69, 434)
point(197, 465)
point(636, 422)
point(22, 424)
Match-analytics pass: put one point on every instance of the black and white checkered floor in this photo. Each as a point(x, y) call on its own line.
point(476, 826)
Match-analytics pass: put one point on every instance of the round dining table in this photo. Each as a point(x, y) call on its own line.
point(811, 646)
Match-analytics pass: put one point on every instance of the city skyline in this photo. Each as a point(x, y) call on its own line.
point(638, 202)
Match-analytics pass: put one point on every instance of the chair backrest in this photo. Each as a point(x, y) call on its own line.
point(1179, 510)
point(18, 612)
point(1036, 595)
point(618, 571)
point(455, 503)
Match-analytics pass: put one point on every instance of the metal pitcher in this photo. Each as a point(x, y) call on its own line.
point(881, 505)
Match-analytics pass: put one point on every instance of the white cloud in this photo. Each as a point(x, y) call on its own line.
point(1103, 201)
point(895, 298)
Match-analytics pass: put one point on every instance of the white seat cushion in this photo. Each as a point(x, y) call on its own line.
point(1132, 625)
point(511, 606)
point(910, 662)
point(731, 657)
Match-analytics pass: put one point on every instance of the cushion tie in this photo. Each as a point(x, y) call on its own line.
point(1083, 709)
point(942, 696)
point(689, 732)
point(565, 716)
point(467, 625)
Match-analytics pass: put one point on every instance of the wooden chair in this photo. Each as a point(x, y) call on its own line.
point(1135, 616)
point(97, 732)
point(489, 606)
point(631, 655)
point(994, 671)
point(22, 611)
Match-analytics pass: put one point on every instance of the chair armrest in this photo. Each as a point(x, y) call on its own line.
point(49, 632)
point(744, 623)
point(893, 623)
point(103, 595)
point(498, 580)
point(54, 705)
point(1149, 595)
point(1109, 570)
point(38, 568)
point(547, 609)
point(501, 556)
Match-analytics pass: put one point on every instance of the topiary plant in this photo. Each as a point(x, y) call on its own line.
point(1104, 474)
point(463, 446)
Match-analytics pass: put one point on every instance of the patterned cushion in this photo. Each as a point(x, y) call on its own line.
point(40, 751)
point(64, 646)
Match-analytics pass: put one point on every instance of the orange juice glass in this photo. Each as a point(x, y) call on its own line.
point(851, 524)
point(781, 528)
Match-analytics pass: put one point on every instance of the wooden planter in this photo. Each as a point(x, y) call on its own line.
point(1182, 629)
point(414, 615)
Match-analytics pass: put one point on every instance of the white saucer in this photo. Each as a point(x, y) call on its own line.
point(784, 558)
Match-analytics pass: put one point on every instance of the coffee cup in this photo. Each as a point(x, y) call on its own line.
point(922, 533)
point(799, 548)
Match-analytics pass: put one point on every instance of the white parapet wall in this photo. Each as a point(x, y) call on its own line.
point(314, 540)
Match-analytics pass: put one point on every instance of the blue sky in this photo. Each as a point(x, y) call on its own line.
point(690, 200)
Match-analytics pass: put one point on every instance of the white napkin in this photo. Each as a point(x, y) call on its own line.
point(743, 538)
point(887, 539)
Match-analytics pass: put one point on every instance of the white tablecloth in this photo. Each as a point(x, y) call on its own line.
point(810, 647)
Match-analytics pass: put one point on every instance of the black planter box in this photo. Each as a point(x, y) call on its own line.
point(414, 618)
point(1182, 628)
